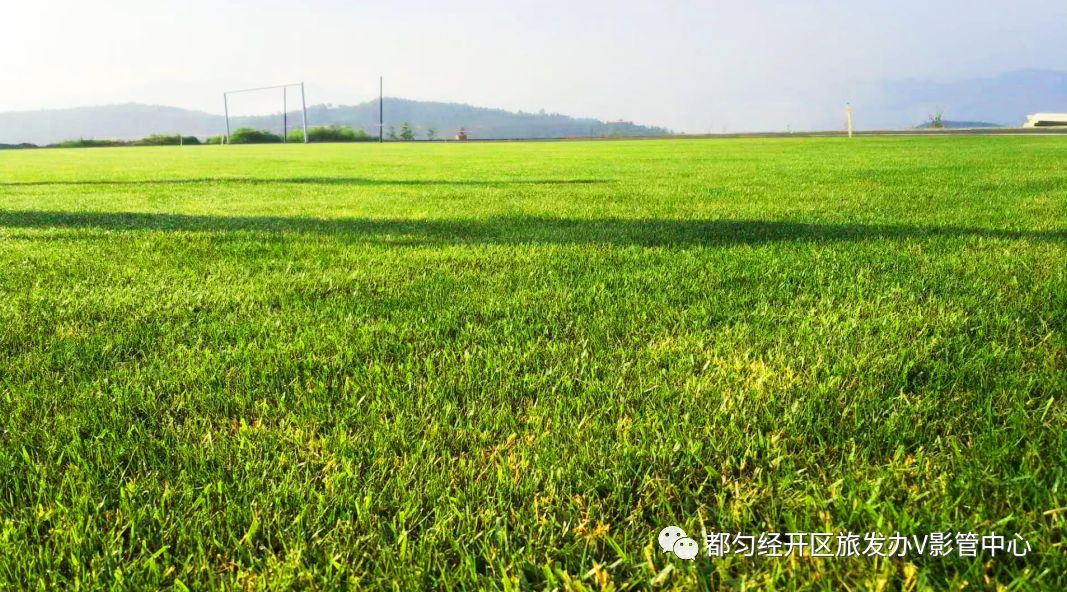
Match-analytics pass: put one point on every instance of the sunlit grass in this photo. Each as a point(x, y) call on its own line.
point(489, 365)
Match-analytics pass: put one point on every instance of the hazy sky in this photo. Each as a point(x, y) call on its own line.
point(687, 65)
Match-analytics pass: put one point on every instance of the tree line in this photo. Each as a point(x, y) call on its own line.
point(152, 140)
point(325, 133)
point(243, 135)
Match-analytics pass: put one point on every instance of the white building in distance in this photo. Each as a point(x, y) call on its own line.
point(1046, 120)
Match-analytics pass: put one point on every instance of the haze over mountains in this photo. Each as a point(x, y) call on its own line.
point(131, 121)
point(1004, 99)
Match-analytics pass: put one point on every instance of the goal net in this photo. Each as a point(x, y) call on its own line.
point(280, 109)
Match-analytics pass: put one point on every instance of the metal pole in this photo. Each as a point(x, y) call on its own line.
point(849, 110)
point(285, 119)
point(381, 111)
point(226, 109)
point(304, 112)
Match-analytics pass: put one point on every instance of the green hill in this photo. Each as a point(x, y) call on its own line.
point(447, 118)
point(133, 121)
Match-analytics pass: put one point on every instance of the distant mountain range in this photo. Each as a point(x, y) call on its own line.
point(960, 125)
point(1005, 99)
point(132, 121)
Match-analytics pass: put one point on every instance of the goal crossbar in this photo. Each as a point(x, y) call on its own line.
point(303, 105)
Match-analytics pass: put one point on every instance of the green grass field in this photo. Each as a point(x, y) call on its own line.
point(462, 366)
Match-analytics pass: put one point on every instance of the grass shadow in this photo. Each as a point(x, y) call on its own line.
point(354, 181)
point(512, 229)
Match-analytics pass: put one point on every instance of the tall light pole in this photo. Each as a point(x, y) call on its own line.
point(848, 113)
point(381, 110)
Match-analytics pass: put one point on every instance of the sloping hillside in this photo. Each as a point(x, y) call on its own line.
point(135, 121)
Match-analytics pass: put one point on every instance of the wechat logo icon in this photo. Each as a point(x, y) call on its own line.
point(674, 540)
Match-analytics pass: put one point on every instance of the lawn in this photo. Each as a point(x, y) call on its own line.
point(509, 365)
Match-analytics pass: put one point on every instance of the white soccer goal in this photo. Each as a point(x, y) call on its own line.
point(285, 108)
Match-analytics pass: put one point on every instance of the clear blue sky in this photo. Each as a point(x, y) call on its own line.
point(688, 65)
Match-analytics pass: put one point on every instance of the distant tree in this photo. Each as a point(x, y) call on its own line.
point(247, 135)
point(167, 140)
point(330, 133)
point(406, 133)
point(391, 134)
point(431, 134)
point(937, 120)
point(89, 143)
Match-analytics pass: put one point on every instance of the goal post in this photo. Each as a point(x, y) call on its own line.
point(284, 88)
